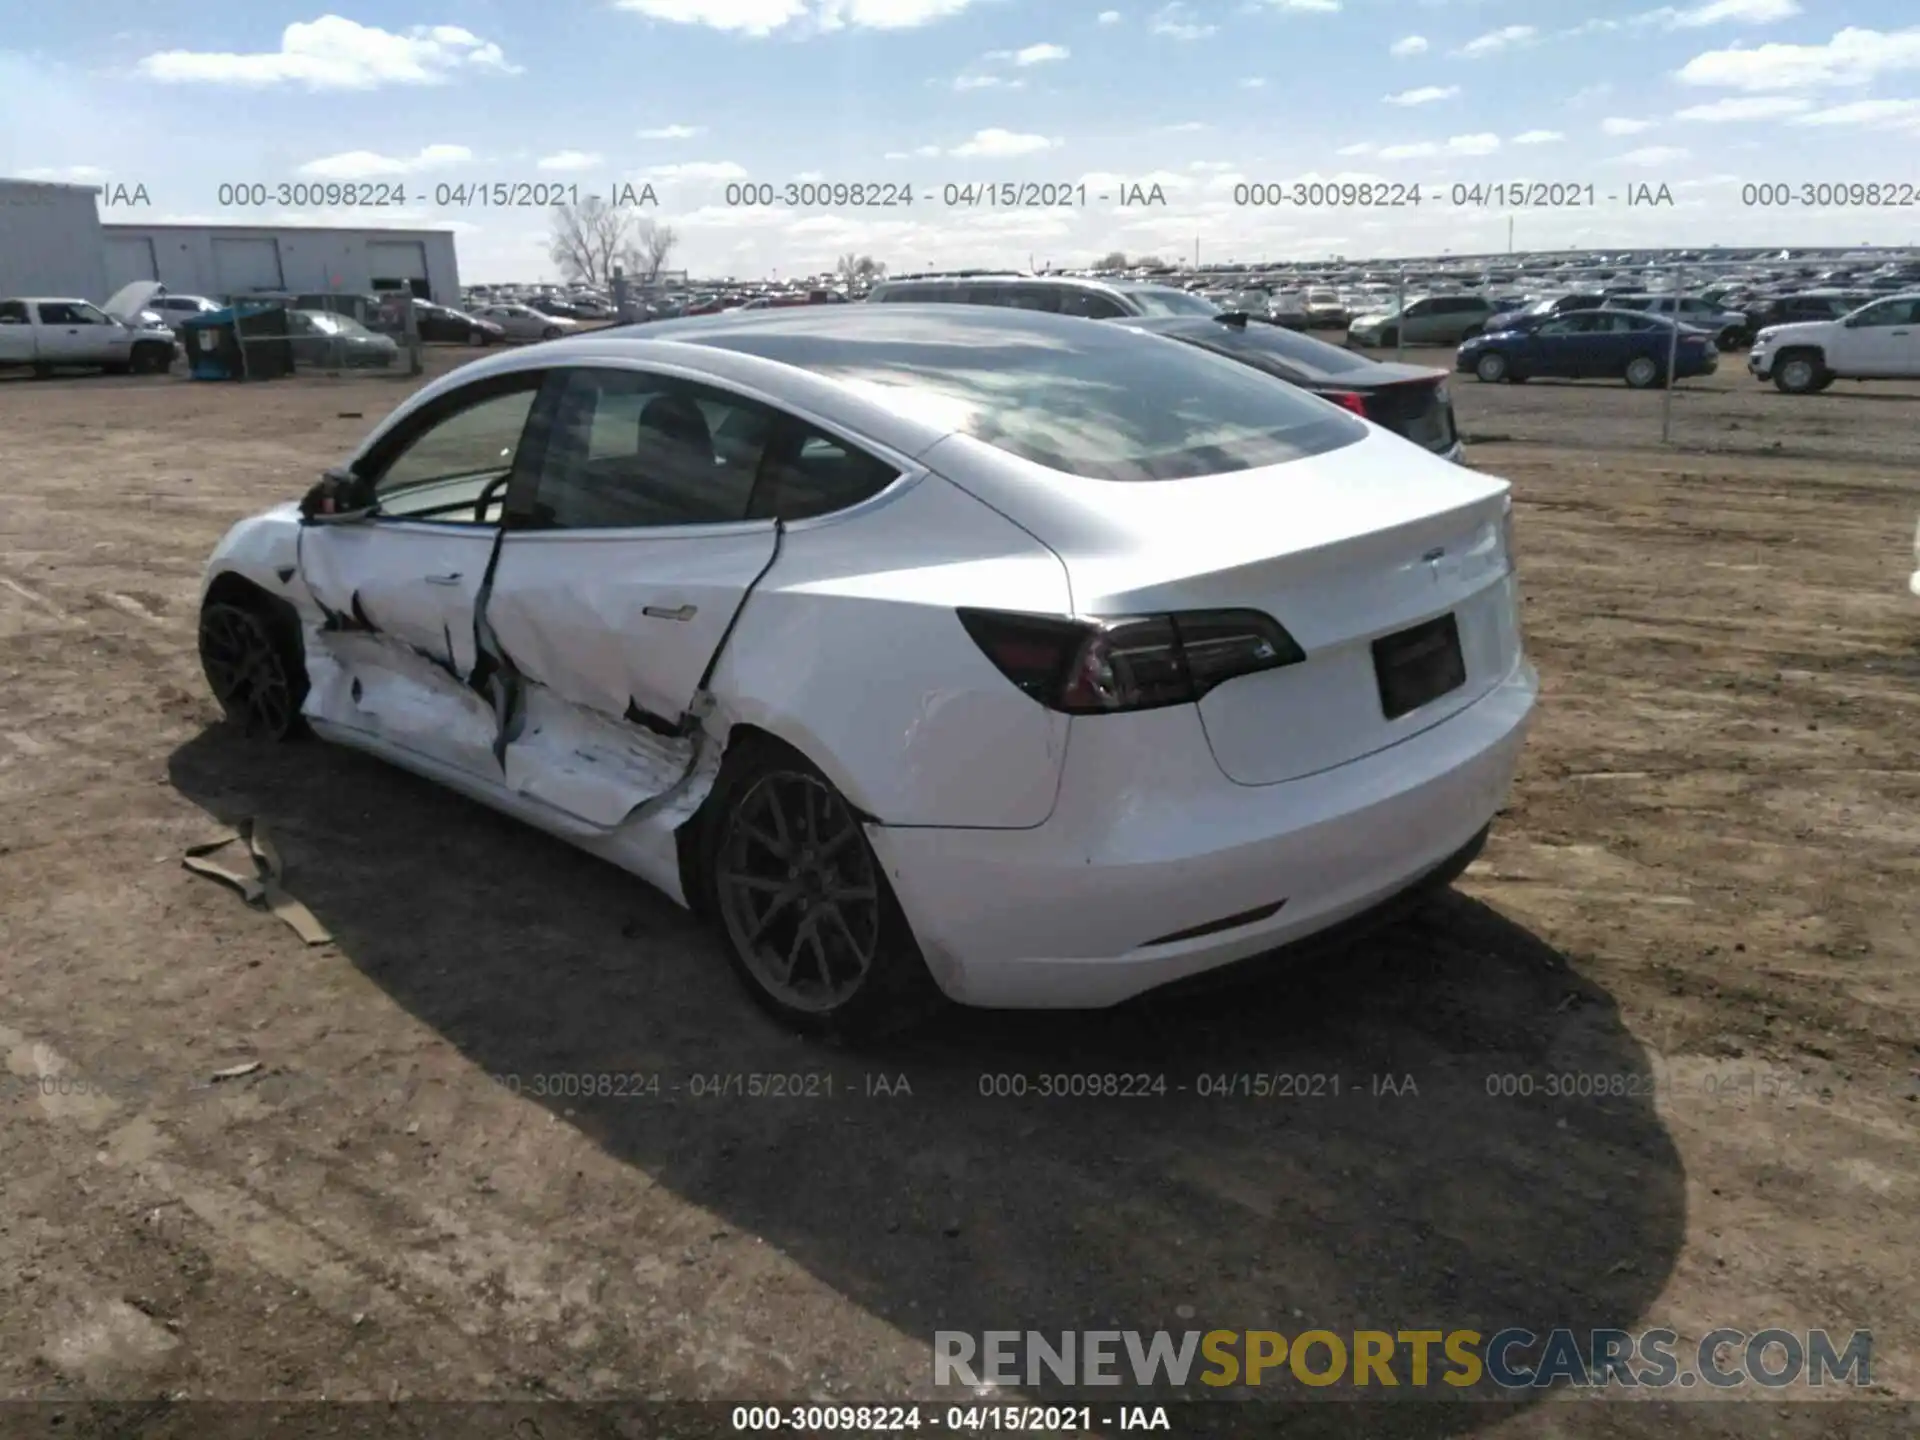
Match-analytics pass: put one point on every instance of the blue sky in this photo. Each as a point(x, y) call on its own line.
point(1196, 97)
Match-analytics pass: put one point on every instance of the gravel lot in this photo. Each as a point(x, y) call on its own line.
point(1703, 889)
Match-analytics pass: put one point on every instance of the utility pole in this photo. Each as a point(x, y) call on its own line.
point(1509, 234)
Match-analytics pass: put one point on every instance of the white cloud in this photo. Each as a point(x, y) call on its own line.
point(1751, 12)
point(1851, 57)
point(1253, 82)
point(1494, 41)
point(1426, 149)
point(1538, 137)
point(762, 17)
point(336, 54)
point(1873, 114)
point(1409, 45)
point(996, 142)
point(1652, 155)
point(1109, 17)
point(697, 170)
point(672, 132)
point(986, 82)
point(920, 152)
point(1363, 147)
point(570, 160)
point(367, 164)
point(1425, 95)
point(1313, 7)
point(1178, 22)
point(1745, 107)
point(1619, 125)
point(1040, 54)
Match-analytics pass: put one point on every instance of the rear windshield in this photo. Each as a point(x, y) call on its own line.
point(1074, 406)
point(1313, 358)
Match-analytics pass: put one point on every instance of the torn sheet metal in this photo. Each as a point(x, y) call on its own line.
point(419, 588)
point(370, 684)
point(594, 767)
point(259, 883)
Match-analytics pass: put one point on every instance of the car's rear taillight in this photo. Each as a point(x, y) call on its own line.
point(1347, 400)
point(1144, 662)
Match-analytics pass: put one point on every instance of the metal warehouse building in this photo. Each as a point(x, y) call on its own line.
point(53, 243)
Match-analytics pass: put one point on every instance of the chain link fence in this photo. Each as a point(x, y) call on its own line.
point(271, 335)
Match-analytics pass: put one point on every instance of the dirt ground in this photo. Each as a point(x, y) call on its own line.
point(1704, 884)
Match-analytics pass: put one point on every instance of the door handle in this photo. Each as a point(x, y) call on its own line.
point(661, 612)
point(453, 579)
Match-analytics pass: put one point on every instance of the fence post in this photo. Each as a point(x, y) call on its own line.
point(1677, 290)
point(1400, 319)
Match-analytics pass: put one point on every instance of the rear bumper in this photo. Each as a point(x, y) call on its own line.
point(1072, 913)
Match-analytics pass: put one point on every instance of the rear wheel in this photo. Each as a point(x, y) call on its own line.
point(254, 669)
point(1491, 368)
point(1643, 372)
point(811, 925)
point(1797, 373)
point(152, 359)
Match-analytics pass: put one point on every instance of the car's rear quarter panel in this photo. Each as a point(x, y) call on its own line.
point(850, 650)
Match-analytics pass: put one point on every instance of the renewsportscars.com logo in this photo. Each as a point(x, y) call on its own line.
point(1375, 1360)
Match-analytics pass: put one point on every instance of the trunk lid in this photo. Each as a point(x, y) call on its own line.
point(1361, 544)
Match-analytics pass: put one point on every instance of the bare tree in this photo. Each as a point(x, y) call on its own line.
point(648, 249)
point(1114, 260)
point(860, 270)
point(589, 239)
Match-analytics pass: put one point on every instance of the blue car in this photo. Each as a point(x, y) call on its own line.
point(1590, 345)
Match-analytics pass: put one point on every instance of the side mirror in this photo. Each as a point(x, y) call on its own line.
point(339, 498)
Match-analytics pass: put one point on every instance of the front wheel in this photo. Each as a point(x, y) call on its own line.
point(254, 670)
point(811, 925)
point(1797, 375)
point(1643, 373)
point(152, 360)
point(1491, 368)
point(552, 332)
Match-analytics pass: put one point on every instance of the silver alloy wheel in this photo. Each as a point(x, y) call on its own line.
point(1797, 374)
point(1491, 367)
point(1642, 372)
point(798, 892)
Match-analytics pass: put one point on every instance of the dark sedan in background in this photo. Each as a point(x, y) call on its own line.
point(1541, 311)
point(1410, 400)
point(1590, 345)
point(443, 323)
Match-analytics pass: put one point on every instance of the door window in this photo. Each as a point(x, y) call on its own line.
point(1886, 313)
point(468, 440)
point(65, 312)
point(1090, 305)
point(634, 450)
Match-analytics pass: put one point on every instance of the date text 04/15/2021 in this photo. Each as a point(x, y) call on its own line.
point(952, 1419)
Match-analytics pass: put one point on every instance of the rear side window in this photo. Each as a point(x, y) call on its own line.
point(1073, 405)
point(808, 474)
point(13, 312)
point(1090, 305)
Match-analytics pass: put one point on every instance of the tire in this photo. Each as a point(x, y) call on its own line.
point(767, 796)
point(1643, 372)
point(43, 372)
point(552, 332)
point(1491, 368)
point(1389, 339)
point(151, 360)
point(251, 658)
point(1731, 339)
point(1797, 372)
point(476, 338)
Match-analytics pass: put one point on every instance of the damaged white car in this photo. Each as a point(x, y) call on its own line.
point(929, 650)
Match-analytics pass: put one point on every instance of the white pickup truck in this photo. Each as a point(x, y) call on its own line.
point(1879, 341)
point(52, 334)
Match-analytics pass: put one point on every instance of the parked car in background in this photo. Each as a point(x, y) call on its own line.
point(523, 322)
point(1728, 327)
point(1288, 309)
point(1803, 306)
point(443, 323)
point(175, 308)
point(323, 340)
point(1427, 320)
point(1410, 400)
point(1590, 345)
point(1880, 341)
point(1545, 309)
point(56, 333)
point(1325, 309)
point(1314, 706)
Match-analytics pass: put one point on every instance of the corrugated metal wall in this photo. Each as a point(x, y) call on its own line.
point(51, 242)
point(190, 258)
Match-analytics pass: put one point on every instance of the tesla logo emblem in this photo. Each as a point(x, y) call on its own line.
point(1432, 559)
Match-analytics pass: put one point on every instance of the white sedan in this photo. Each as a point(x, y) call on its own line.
point(523, 322)
point(1027, 660)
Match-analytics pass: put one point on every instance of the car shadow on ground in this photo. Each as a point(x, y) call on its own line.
point(1342, 1145)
